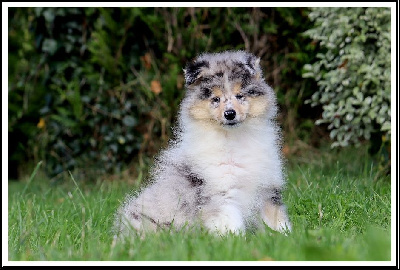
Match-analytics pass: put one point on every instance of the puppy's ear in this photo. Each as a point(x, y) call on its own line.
point(193, 70)
point(253, 63)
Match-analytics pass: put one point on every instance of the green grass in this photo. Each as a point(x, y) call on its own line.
point(337, 209)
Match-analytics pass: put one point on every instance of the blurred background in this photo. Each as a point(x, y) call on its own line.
point(96, 90)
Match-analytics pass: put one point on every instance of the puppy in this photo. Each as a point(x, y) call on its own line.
point(223, 170)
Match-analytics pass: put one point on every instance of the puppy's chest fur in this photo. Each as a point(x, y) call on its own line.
point(230, 161)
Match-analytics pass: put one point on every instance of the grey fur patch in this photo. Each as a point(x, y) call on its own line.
point(205, 93)
point(255, 91)
point(240, 72)
point(250, 61)
point(193, 70)
point(195, 180)
point(134, 215)
point(149, 218)
point(201, 199)
point(276, 197)
point(206, 79)
point(184, 205)
point(190, 176)
point(158, 224)
point(219, 74)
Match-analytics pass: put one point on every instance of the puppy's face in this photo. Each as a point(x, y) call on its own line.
point(227, 88)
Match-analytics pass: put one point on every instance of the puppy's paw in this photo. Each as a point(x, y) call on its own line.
point(276, 217)
point(229, 219)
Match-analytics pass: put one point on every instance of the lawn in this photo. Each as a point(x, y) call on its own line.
point(339, 212)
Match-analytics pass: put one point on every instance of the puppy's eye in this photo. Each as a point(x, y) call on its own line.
point(215, 99)
point(254, 92)
point(239, 96)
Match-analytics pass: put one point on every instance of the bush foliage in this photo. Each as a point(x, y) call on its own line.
point(98, 88)
point(353, 74)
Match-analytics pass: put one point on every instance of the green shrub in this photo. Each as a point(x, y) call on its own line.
point(352, 73)
point(102, 85)
point(26, 92)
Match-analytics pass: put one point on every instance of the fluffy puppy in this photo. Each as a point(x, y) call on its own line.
point(223, 170)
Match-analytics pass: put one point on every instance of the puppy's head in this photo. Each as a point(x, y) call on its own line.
point(227, 88)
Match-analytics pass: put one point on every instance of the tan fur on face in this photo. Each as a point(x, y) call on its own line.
point(258, 106)
point(217, 92)
point(218, 113)
point(253, 106)
point(201, 110)
point(236, 88)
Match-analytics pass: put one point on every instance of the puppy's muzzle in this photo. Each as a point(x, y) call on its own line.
point(230, 115)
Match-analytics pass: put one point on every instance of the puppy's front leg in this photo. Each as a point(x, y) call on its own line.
point(274, 212)
point(228, 218)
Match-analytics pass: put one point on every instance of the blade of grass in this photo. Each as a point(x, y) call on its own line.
point(31, 177)
point(76, 184)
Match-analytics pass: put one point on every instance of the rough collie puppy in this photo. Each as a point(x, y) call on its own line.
point(223, 171)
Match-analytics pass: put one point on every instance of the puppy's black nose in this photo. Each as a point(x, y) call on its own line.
point(230, 114)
